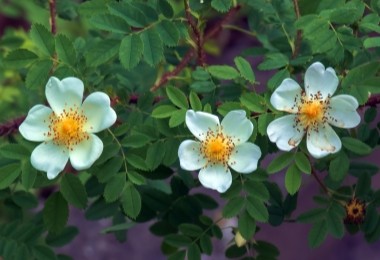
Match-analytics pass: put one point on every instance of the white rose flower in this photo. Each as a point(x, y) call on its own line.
point(220, 146)
point(67, 127)
point(312, 110)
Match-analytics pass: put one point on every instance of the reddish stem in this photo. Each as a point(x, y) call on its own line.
point(52, 7)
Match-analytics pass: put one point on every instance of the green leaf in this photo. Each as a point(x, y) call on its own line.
point(293, 179)
point(130, 51)
point(43, 39)
point(102, 52)
point(339, 166)
point(118, 227)
point(317, 234)
point(356, 146)
point(177, 97)
point(223, 72)
point(14, 151)
point(101, 209)
point(190, 230)
point(206, 244)
point(280, 162)
point(137, 162)
point(257, 189)
point(257, 209)
point(38, 74)
point(55, 213)
point(28, 175)
point(177, 240)
point(254, 102)
point(135, 140)
point(132, 15)
point(91, 8)
point(195, 102)
point(335, 224)
point(41, 252)
point(274, 61)
point(245, 69)
point(303, 162)
point(153, 49)
point(166, 8)
point(19, 58)
point(74, 191)
point(164, 111)
point(193, 252)
point(371, 42)
point(131, 201)
point(63, 238)
point(114, 187)
point(227, 107)
point(370, 114)
point(136, 178)
point(312, 216)
point(200, 74)
point(221, 5)
point(263, 122)
point(65, 49)
point(203, 86)
point(8, 174)
point(177, 118)
point(25, 199)
point(246, 225)
point(363, 186)
point(110, 23)
point(233, 207)
point(155, 155)
point(168, 32)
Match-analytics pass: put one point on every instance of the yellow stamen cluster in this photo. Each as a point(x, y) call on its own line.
point(311, 110)
point(66, 129)
point(355, 211)
point(217, 148)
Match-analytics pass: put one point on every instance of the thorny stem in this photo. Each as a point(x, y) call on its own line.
point(186, 59)
point(52, 7)
point(298, 40)
point(197, 34)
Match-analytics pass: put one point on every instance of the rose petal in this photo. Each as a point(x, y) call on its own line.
point(86, 152)
point(323, 141)
point(98, 111)
point(189, 155)
point(36, 124)
point(49, 158)
point(286, 96)
point(216, 177)
point(282, 132)
point(237, 126)
point(317, 79)
point(200, 122)
point(342, 112)
point(245, 157)
point(67, 93)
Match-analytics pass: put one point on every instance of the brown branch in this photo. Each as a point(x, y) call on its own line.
point(298, 40)
point(186, 59)
point(52, 7)
point(197, 34)
point(323, 186)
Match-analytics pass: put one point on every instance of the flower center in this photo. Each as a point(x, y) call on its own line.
point(355, 211)
point(312, 110)
point(217, 148)
point(67, 128)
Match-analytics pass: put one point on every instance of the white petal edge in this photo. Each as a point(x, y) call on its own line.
point(36, 124)
point(189, 156)
point(49, 158)
point(319, 79)
point(86, 153)
point(286, 96)
point(237, 126)
point(282, 132)
point(216, 177)
point(97, 108)
point(201, 122)
point(245, 157)
point(323, 142)
point(64, 94)
point(342, 112)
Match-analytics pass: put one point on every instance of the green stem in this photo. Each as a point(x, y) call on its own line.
point(121, 150)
